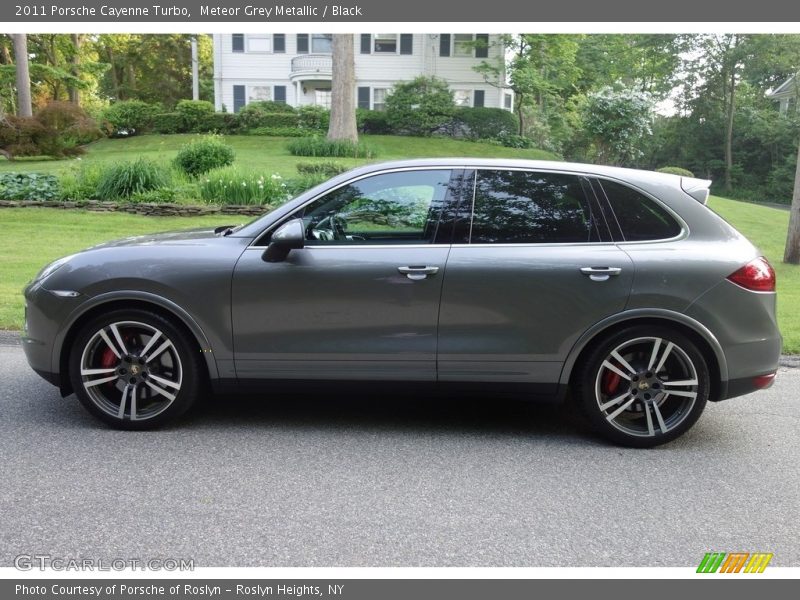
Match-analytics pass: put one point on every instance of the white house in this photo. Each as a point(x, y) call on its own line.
point(786, 94)
point(296, 68)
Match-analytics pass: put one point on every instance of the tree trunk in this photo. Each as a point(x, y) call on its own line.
point(520, 115)
point(343, 107)
point(195, 70)
point(731, 108)
point(792, 253)
point(24, 106)
point(75, 61)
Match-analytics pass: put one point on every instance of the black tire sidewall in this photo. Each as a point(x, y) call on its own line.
point(585, 385)
point(184, 346)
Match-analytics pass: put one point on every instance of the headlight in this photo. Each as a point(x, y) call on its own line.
point(52, 268)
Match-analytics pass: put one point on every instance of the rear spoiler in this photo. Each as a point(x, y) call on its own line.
point(696, 188)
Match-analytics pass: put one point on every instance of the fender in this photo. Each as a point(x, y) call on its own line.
point(155, 299)
point(646, 313)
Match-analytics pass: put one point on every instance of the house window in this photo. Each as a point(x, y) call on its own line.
point(302, 43)
point(444, 44)
point(260, 93)
point(363, 97)
point(462, 44)
point(237, 42)
point(239, 99)
point(462, 97)
point(406, 43)
point(279, 93)
point(279, 43)
point(366, 43)
point(385, 43)
point(507, 102)
point(322, 98)
point(478, 98)
point(481, 45)
point(379, 98)
point(258, 43)
point(321, 43)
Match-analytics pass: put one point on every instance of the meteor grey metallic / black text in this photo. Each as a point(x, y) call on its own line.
point(619, 285)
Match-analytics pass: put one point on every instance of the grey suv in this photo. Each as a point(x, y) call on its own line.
point(619, 285)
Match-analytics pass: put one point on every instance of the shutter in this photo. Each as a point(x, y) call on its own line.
point(363, 97)
point(302, 43)
point(238, 98)
point(406, 43)
point(279, 93)
point(444, 44)
point(279, 43)
point(366, 43)
point(237, 42)
point(479, 98)
point(482, 46)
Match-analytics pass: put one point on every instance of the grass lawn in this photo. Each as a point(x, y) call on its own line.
point(270, 153)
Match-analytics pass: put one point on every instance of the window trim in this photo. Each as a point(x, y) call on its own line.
point(597, 180)
point(373, 52)
point(264, 36)
point(284, 218)
point(606, 238)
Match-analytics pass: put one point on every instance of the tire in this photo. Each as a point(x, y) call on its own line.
point(643, 386)
point(134, 369)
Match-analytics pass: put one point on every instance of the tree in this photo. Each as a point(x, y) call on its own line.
point(75, 61)
point(616, 122)
point(343, 108)
point(792, 252)
point(24, 105)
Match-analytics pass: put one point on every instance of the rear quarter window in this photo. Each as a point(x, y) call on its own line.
point(640, 219)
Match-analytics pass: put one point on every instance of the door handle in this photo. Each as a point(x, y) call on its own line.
point(415, 273)
point(600, 273)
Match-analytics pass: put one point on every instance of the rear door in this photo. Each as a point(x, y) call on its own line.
point(531, 268)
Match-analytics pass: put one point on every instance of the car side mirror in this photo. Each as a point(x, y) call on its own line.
point(289, 236)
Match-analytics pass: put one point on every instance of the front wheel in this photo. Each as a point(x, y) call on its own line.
point(134, 369)
point(643, 386)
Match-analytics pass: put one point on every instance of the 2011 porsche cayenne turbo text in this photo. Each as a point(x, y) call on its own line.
point(618, 288)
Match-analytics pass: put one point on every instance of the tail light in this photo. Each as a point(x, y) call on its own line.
point(757, 276)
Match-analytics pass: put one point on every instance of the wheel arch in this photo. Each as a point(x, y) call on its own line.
point(129, 300)
point(706, 342)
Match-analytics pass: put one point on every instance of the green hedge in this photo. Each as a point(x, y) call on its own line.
point(319, 146)
point(676, 171)
point(477, 123)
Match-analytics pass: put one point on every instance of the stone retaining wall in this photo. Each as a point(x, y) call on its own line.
point(145, 208)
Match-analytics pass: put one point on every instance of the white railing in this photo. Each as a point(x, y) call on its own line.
point(312, 63)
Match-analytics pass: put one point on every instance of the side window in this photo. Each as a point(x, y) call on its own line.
point(525, 207)
point(639, 218)
point(390, 208)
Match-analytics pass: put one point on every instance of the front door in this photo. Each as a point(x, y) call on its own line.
point(361, 299)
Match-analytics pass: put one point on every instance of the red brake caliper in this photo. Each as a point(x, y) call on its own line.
point(610, 382)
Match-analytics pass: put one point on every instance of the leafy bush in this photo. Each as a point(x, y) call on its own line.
point(616, 122)
point(297, 185)
point(193, 114)
point(167, 123)
point(58, 129)
point(676, 171)
point(264, 114)
point(121, 181)
point(419, 107)
point(22, 136)
point(218, 122)
point(202, 155)
point(372, 121)
point(28, 186)
point(513, 140)
point(161, 195)
point(482, 123)
point(320, 146)
point(279, 131)
point(128, 117)
point(81, 183)
point(328, 168)
point(232, 185)
point(313, 118)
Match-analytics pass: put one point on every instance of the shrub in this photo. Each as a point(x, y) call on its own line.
point(319, 146)
point(313, 118)
point(513, 140)
point(22, 136)
point(232, 185)
point(222, 123)
point(193, 114)
point(81, 183)
point(67, 128)
point(128, 117)
point(297, 185)
point(202, 155)
point(372, 121)
point(279, 131)
point(676, 171)
point(157, 196)
point(167, 123)
point(328, 168)
point(120, 181)
point(482, 123)
point(264, 114)
point(419, 107)
point(28, 186)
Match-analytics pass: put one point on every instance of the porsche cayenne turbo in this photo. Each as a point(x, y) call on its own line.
point(618, 288)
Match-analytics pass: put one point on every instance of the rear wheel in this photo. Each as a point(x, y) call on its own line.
point(134, 369)
point(643, 386)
